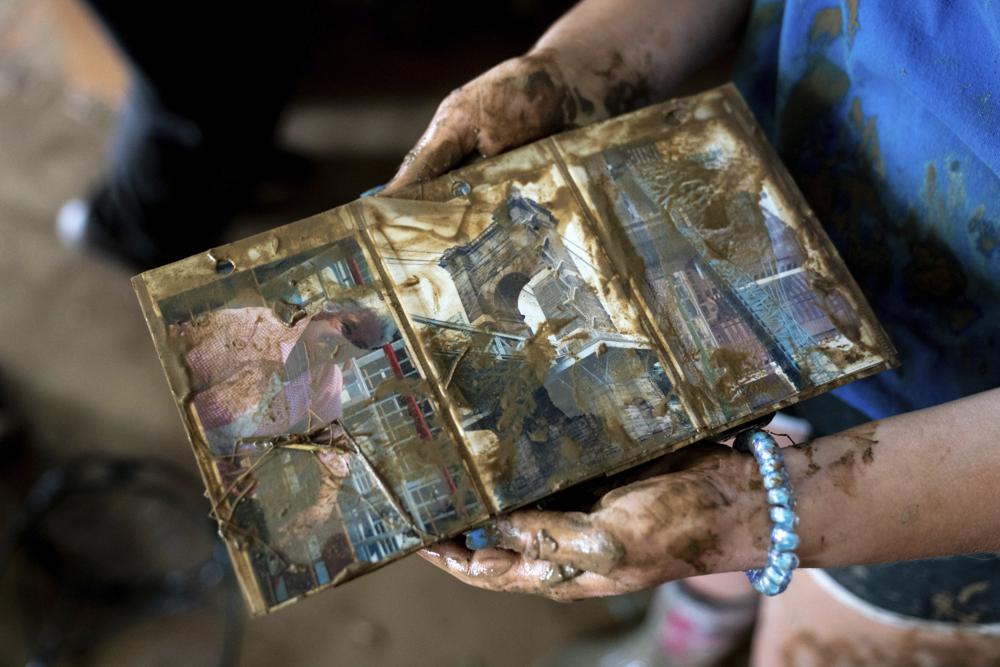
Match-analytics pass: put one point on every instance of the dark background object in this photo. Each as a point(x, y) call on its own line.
point(103, 543)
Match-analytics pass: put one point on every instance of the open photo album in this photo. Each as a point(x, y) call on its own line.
point(395, 371)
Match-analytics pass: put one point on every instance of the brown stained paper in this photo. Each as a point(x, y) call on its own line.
point(393, 372)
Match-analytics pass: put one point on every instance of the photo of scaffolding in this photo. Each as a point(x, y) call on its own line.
point(328, 449)
point(750, 309)
point(553, 377)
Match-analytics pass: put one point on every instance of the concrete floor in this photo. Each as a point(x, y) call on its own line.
point(79, 364)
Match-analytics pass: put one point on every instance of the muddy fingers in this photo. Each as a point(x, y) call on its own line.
point(449, 138)
point(499, 570)
point(518, 101)
point(568, 539)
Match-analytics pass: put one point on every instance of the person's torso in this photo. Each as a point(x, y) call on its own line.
point(887, 114)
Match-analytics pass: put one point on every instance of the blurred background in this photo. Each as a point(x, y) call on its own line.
point(108, 557)
point(107, 554)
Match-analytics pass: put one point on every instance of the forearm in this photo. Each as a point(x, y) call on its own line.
point(620, 52)
point(919, 485)
point(916, 486)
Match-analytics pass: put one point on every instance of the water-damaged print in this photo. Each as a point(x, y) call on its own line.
point(328, 448)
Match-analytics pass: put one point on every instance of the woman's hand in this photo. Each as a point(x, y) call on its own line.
point(602, 58)
point(516, 102)
point(918, 485)
point(701, 516)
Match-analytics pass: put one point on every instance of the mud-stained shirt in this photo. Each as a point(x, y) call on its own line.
point(887, 113)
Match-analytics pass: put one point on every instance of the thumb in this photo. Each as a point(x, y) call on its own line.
point(449, 138)
point(564, 538)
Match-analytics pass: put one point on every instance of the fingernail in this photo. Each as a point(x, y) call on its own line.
point(371, 192)
point(484, 537)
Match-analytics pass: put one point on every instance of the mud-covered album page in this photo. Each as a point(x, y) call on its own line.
point(321, 445)
point(748, 298)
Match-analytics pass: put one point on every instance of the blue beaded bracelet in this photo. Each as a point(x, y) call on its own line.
point(774, 577)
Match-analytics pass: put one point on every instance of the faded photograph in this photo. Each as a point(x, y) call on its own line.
point(555, 379)
point(327, 444)
point(750, 316)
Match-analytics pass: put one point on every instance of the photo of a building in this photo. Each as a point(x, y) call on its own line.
point(727, 274)
point(308, 519)
point(552, 377)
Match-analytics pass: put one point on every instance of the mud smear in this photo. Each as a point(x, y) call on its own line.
point(627, 89)
point(946, 609)
point(490, 567)
point(805, 648)
point(829, 298)
point(570, 450)
point(967, 593)
point(827, 25)
point(695, 548)
point(852, 18)
point(534, 101)
point(548, 107)
point(842, 474)
point(868, 129)
point(986, 232)
point(822, 87)
point(731, 365)
point(864, 440)
point(517, 402)
point(714, 199)
point(810, 454)
point(407, 386)
point(627, 95)
point(570, 540)
point(685, 508)
point(908, 515)
point(765, 16)
point(843, 471)
point(844, 357)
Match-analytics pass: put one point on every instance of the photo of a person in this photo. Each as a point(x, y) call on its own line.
point(254, 376)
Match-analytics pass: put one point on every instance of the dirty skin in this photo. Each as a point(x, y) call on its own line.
point(939, 649)
point(573, 542)
point(622, 541)
point(516, 102)
point(843, 470)
point(529, 94)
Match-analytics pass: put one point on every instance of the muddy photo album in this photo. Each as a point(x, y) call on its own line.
point(395, 371)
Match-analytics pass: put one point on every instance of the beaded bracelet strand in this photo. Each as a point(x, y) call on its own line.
point(774, 577)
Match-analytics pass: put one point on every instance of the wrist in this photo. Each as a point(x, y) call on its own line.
point(818, 503)
point(747, 523)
